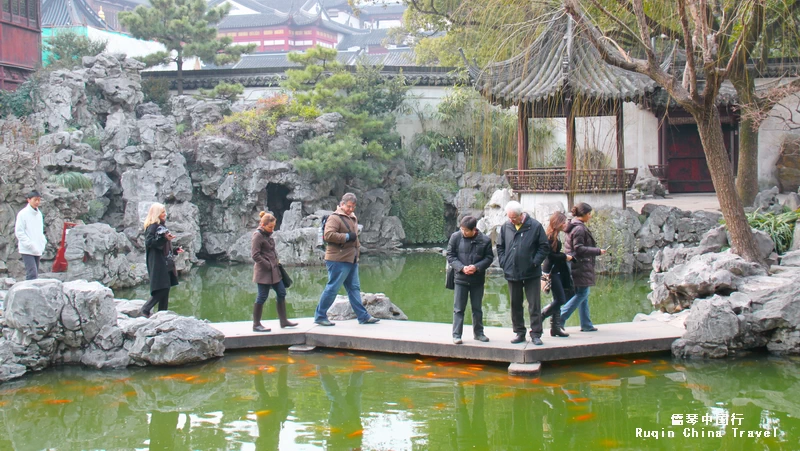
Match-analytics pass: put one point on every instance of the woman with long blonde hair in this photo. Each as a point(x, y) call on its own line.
point(160, 257)
point(266, 273)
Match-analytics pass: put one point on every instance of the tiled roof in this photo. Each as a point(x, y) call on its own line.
point(562, 58)
point(253, 20)
point(398, 57)
point(361, 40)
point(63, 13)
point(281, 60)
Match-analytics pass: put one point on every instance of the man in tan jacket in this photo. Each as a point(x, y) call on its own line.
point(341, 258)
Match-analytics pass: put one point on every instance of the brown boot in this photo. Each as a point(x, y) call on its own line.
point(280, 306)
point(258, 309)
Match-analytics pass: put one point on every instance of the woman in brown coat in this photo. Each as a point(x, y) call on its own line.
point(266, 273)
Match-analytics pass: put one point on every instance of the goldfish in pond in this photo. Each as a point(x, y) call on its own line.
point(475, 368)
point(290, 360)
point(355, 434)
point(578, 400)
point(262, 413)
point(55, 402)
point(638, 361)
point(509, 394)
point(584, 417)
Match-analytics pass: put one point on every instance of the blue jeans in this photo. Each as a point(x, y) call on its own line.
point(263, 291)
point(341, 273)
point(581, 302)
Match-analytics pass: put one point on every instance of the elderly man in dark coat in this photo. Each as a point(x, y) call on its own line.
point(469, 253)
point(521, 248)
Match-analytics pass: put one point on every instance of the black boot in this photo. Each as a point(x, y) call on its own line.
point(280, 306)
point(258, 309)
point(547, 311)
point(556, 328)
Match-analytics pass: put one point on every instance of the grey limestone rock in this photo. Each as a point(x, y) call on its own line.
point(377, 304)
point(169, 339)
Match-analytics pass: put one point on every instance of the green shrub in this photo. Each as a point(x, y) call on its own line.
point(256, 125)
point(72, 181)
point(421, 209)
point(224, 91)
point(779, 227)
point(156, 90)
point(19, 103)
point(93, 141)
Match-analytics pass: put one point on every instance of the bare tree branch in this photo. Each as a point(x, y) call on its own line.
point(689, 75)
point(644, 30)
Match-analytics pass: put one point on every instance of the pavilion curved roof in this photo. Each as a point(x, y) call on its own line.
point(561, 59)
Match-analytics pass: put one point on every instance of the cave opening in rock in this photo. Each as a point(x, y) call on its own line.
point(278, 201)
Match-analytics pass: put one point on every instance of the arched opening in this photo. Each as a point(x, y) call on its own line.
point(278, 201)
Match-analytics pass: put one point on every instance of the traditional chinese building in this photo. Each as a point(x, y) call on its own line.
point(562, 75)
point(282, 26)
point(96, 20)
point(20, 41)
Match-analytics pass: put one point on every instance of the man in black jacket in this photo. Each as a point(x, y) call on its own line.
point(469, 252)
point(521, 248)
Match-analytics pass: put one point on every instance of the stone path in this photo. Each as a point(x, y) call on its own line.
point(687, 202)
point(434, 339)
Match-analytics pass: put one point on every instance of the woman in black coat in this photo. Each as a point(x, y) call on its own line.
point(160, 258)
point(580, 244)
point(555, 268)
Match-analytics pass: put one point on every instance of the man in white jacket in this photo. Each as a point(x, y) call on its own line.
point(29, 230)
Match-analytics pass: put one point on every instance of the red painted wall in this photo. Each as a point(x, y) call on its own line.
point(20, 41)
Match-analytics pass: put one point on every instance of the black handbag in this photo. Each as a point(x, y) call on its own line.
point(450, 280)
point(287, 281)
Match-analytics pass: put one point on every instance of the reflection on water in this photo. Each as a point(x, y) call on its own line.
point(414, 282)
point(336, 400)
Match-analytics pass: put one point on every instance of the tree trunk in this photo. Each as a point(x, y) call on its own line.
point(710, 130)
point(747, 176)
point(179, 60)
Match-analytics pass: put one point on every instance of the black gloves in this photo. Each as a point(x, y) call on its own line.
point(349, 237)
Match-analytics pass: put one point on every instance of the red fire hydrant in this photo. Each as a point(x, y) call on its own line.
point(60, 264)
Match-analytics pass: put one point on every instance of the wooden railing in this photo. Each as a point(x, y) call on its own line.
point(560, 180)
point(659, 171)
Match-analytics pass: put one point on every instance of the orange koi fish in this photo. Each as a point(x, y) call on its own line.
point(55, 402)
point(3, 403)
point(578, 400)
point(311, 374)
point(638, 361)
point(584, 417)
point(475, 368)
point(616, 364)
point(290, 360)
point(645, 373)
point(509, 394)
point(355, 434)
point(439, 406)
point(262, 413)
point(572, 392)
point(130, 393)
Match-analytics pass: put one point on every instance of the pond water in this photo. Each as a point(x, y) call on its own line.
point(414, 282)
point(338, 400)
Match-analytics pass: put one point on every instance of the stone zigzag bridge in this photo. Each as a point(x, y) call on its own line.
point(435, 339)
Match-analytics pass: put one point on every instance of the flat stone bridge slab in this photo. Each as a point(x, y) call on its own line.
point(435, 339)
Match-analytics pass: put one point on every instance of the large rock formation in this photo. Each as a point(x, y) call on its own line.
point(47, 322)
point(764, 312)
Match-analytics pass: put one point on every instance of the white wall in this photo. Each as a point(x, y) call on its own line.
point(422, 100)
point(123, 43)
point(771, 135)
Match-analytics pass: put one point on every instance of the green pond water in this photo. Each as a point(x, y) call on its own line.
point(338, 400)
point(415, 283)
point(334, 400)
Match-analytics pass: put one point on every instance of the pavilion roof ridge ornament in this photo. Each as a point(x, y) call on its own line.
point(562, 60)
